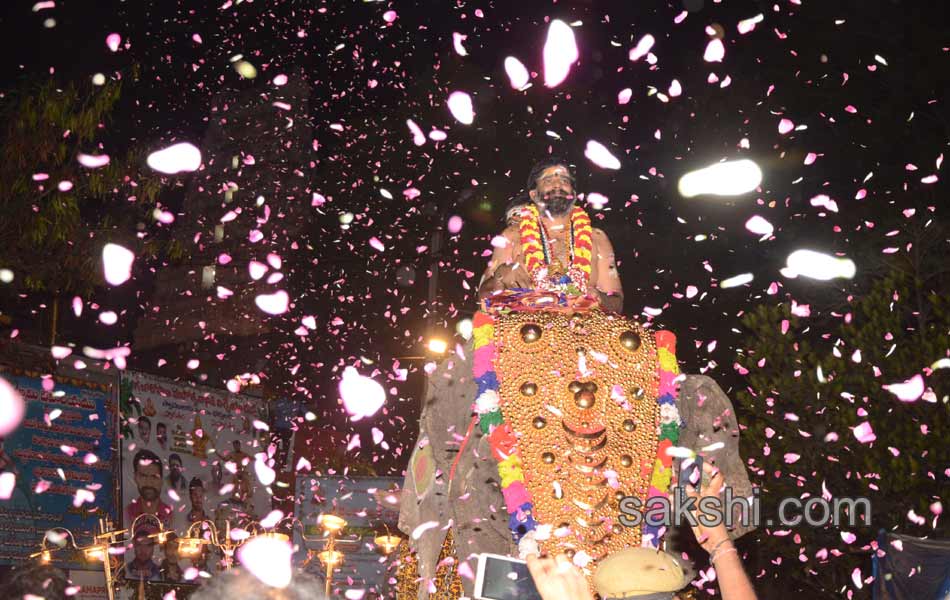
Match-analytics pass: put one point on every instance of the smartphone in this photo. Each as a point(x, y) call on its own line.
point(503, 578)
point(691, 472)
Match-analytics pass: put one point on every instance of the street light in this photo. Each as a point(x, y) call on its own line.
point(332, 524)
point(330, 556)
point(387, 543)
point(437, 346)
point(190, 545)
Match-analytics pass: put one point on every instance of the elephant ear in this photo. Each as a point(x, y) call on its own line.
point(710, 428)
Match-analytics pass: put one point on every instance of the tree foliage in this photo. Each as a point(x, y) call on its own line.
point(813, 380)
point(51, 235)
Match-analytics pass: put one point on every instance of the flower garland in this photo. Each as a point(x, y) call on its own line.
point(534, 246)
point(668, 432)
point(503, 441)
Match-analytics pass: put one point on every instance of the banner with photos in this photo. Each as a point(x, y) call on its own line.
point(188, 456)
point(60, 463)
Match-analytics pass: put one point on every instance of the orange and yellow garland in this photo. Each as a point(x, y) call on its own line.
point(536, 259)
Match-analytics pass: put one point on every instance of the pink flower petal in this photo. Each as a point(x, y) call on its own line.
point(268, 559)
point(457, 39)
point(256, 269)
point(715, 51)
point(113, 40)
point(759, 226)
point(864, 433)
point(376, 244)
point(273, 304)
point(460, 105)
point(642, 47)
point(909, 390)
point(418, 138)
point(598, 154)
point(117, 263)
point(177, 158)
point(517, 73)
point(560, 52)
point(93, 161)
point(12, 408)
point(7, 484)
point(362, 396)
point(265, 474)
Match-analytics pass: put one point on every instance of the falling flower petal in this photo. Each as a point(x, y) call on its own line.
point(12, 408)
point(91, 161)
point(457, 39)
point(424, 527)
point(715, 51)
point(907, 391)
point(825, 202)
point(178, 158)
point(642, 47)
point(460, 105)
point(747, 25)
point(736, 281)
point(517, 73)
point(864, 433)
point(560, 52)
point(784, 126)
point(117, 263)
point(60, 352)
point(376, 244)
point(273, 304)
point(7, 484)
point(731, 178)
point(268, 559)
point(113, 40)
point(816, 265)
point(856, 578)
point(256, 269)
point(362, 396)
point(418, 138)
point(265, 474)
point(675, 89)
point(759, 226)
point(598, 154)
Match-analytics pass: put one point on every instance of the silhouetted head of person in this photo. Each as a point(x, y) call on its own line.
point(35, 581)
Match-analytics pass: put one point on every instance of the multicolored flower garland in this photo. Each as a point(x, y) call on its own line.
point(534, 246)
point(503, 442)
point(669, 429)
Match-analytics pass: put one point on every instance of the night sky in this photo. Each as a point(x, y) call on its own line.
point(862, 82)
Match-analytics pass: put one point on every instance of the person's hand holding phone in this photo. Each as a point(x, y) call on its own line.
point(710, 484)
point(558, 579)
